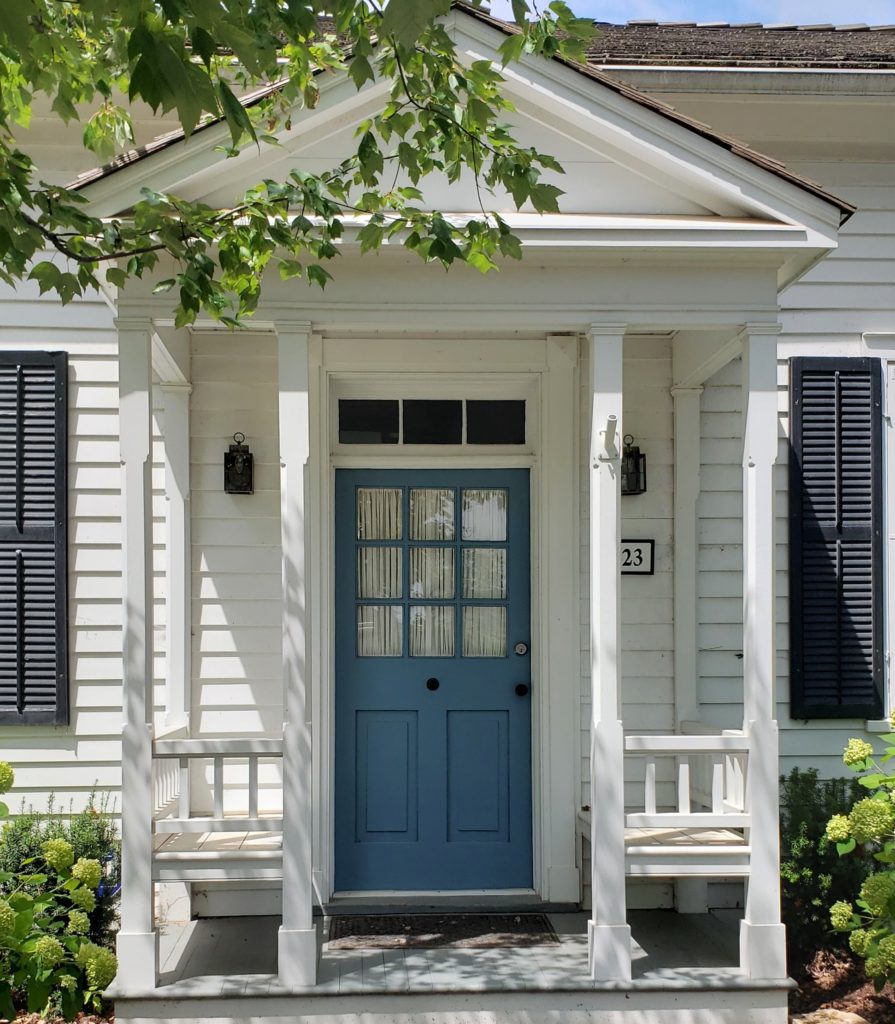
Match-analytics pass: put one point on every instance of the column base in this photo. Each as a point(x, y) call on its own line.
point(137, 961)
point(691, 895)
point(564, 884)
point(609, 951)
point(297, 957)
point(763, 950)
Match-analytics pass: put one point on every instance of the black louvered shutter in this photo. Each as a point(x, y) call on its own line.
point(836, 551)
point(33, 538)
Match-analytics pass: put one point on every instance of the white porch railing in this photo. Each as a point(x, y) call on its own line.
point(705, 831)
point(710, 780)
point(171, 783)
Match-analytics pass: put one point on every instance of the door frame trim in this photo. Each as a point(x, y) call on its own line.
point(544, 370)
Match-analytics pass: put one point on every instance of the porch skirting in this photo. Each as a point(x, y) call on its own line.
point(639, 1003)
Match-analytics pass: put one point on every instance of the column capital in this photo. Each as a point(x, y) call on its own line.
point(685, 391)
point(758, 328)
point(133, 323)
point(179, 390)
point(610, 330)
point(287, 327)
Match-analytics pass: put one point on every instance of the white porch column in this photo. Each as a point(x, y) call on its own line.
point(691, 894)
point(178, 554)
point(609, 937)
point(137, 939)
point(762, 936)
point(297, 944)
point(686, 493)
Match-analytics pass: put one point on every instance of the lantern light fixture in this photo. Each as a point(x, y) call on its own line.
point(238, 467)
point(633, 468)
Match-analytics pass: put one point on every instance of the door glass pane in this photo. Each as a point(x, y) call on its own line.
point(484, 574)
point(485, 514)
point(379, 513)
point(379, 572)
point(484, 632)
point(379, 630)
point(431, 513)
point(432, 572)
point(431, 631)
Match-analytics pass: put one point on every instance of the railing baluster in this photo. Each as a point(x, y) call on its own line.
point(717, 785)
point(218, 787)
point(649, 794)
point(683, 785)
point(184, 801)
point(253, 787)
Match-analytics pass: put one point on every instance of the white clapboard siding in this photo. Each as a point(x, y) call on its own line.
point(237, 684)
point(826, 313)
point(71, 761)
point(646, 610)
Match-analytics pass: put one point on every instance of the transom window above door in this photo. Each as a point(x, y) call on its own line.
point(431, 572)
point(431, 421)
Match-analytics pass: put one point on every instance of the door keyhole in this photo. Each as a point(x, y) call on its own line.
point(432, 684)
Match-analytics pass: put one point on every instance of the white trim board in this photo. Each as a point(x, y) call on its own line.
point(545, 373)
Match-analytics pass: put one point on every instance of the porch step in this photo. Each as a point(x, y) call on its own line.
point(218, 856)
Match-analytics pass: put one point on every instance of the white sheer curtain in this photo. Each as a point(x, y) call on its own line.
point(431, 514)
point(432, 572)
point(378, 513)
point(432, 631)
point(484, 514)
point(379, 572)
point(484, 632)
point(484, 574)
point(379, 631)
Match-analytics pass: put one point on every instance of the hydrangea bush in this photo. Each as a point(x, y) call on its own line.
point(44, 953)
point(870, 825)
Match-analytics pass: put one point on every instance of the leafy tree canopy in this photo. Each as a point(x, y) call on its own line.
point(196, 57)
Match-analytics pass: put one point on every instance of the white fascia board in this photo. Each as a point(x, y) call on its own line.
point(169, 168)
point(648, 136)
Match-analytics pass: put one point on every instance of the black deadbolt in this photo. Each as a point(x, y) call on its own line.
point(521, 689)
point(432, 684)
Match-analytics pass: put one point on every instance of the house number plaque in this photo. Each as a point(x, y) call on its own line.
point(637, 557)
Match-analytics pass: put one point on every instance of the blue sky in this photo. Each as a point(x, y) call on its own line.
point(800, 12)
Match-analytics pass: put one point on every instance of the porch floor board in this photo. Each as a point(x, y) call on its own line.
point(233, 957)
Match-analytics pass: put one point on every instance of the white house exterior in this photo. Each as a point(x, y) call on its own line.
point(271, 654)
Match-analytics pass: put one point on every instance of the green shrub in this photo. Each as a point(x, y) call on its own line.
point(868, 828)
point(47, 960)
point(92, 834)
point(811, 872)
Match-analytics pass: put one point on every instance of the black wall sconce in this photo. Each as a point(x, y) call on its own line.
point(633, 468)
point(238, 467)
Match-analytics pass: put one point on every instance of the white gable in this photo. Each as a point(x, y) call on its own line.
point(631, 171)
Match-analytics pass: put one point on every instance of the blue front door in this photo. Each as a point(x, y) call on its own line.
point(433, 679)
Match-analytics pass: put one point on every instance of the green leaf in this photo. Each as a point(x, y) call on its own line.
point(38, 993)
point(319, 275)
point(360, 70)
point(164, 286)
point(406, 20)
point(847, 847)
point(4, 812)
point(7, 1009)
point(237, 118)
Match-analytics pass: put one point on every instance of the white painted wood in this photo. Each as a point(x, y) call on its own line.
point(763, 944)
point(234, 746)
point(297, 944)
point(555, 613)
point(684, 819)
point(686, 494)
point(686, 744)
point(175, 826)
point(609, 937)
point(178, 668)
point(137, 939)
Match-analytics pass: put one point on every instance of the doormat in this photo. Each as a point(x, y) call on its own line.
point(429, 931)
